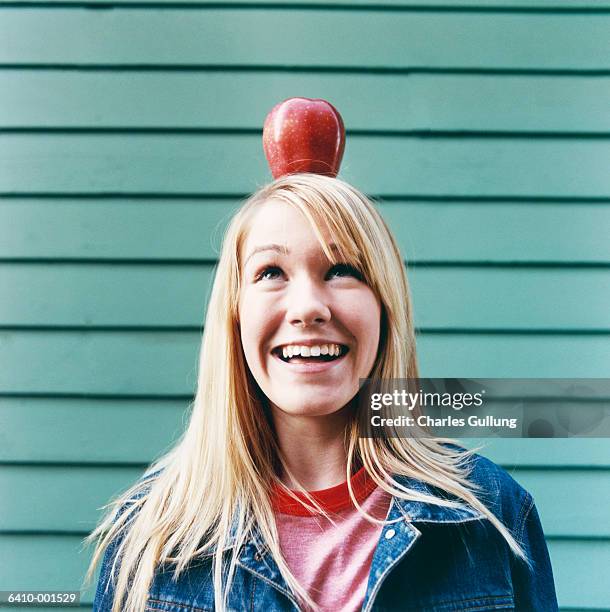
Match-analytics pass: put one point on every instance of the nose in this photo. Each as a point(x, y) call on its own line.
point(307, 304)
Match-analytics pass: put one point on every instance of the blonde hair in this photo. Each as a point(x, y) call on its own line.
point(215, 482)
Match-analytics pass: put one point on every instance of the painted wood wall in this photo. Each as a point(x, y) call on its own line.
point(130, 131)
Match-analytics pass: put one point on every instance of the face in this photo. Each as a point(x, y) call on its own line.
point(309, 329)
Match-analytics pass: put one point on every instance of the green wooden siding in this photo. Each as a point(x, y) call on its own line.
point(295, 37)
point(423, 101)
point(77, 163)
point(129, 134)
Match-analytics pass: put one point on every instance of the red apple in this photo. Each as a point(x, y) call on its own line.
point(304, 135)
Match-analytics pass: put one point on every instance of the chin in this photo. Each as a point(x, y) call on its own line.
point(311, 407)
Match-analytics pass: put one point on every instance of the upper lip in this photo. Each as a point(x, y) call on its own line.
point(308, 342)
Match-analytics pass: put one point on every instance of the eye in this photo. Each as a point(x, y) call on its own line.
point(343, 269)
point(268, 273)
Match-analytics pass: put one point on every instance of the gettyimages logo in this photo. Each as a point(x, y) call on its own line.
point(485, 407)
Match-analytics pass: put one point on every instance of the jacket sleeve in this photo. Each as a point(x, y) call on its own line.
point(534, 587)
point(104, 593)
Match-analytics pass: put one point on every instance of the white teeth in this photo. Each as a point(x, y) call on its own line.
point(294, 350)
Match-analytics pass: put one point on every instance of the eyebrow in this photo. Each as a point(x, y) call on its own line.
point(278, 248)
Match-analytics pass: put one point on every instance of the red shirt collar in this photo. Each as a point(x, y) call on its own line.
point(333, 499)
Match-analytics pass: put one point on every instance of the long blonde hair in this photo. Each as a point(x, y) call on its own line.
point(213, 487)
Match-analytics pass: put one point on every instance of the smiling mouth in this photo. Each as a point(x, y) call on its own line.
point(279, 353)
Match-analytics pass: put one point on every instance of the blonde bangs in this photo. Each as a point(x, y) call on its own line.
point(335, 210)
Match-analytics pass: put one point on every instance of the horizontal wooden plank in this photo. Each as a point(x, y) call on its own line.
point(212, 100)
point(578, 578)
point(73, 496)
point(572, 503)
point(197, 163)
point(45, 563)
point(77, 493)
point(105, 294)
point(147, 229)
point(509, 299)
point(165, 363)
point(90, 431)
point(357, 4)
point(101, 431)
point(82, 431)
point(461, 355)
point(525, 232)
point(157, 295)
point(280, 37)
point(579, 567)
point(129, 363)
point(544, 453)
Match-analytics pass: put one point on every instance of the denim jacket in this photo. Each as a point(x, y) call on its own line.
point(434, 559)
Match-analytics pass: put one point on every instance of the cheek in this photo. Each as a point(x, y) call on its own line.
point(248, 323)
point(363, 318)
point(256, 324)
point(367, 324)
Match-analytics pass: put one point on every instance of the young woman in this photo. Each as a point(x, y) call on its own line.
point(272, 500)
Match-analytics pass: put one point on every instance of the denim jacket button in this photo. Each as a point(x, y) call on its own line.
point(389, 534)
point(257, 556)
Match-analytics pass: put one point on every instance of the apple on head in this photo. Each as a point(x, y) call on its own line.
point(304, 135)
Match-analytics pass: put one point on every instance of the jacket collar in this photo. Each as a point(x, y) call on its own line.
point(427, 512)
point(255, 558)
point(413, 511)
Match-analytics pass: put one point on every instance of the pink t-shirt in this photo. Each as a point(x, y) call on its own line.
point(332, 562)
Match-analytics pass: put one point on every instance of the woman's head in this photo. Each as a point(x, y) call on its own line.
point(310, 263)
point(334, 276)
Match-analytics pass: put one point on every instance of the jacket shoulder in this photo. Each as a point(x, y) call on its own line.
point(498, 490)
point(104, 594)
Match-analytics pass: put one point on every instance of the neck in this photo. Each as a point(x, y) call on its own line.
point(313, 447)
